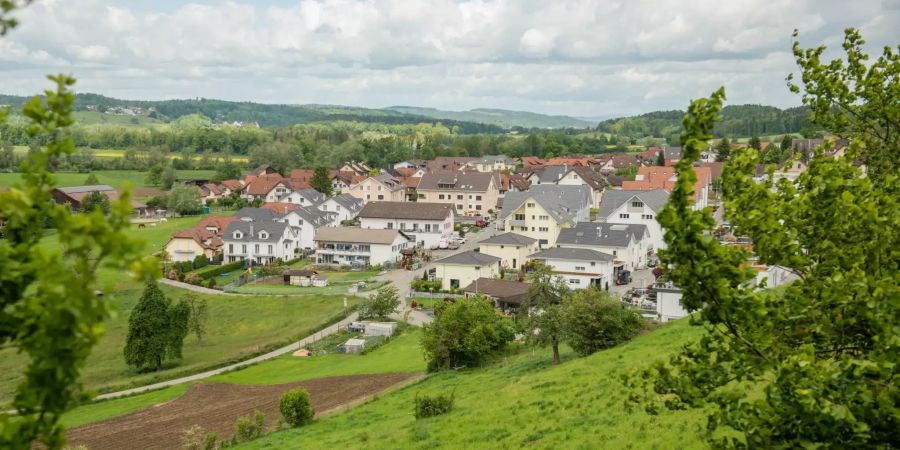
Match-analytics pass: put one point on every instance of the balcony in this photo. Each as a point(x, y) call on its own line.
point(516, 223)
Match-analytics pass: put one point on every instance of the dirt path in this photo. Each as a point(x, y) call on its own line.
point(216, 406)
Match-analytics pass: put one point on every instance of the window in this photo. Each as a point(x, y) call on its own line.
point(458, 206)
point(440, 196)
point(470, 196)
point(593, 263)
point(478, 197)
point(477, 207)
point(623, 216)
point(574, 281)
point(427, 227)
point(270, 249)
point(238, 235)
point(614, 253)
point(579, 268)
point(390, 226)
point(244, 248)
point(647, 216)
point(544, 229)
point(520, 216)
point(637, 204)
point(402, 225)
point(380, 197)
point(459, 197)
point(230, 248)
point(545, 217)
point(256, 248)
point(368, 197)
point(530, 205)
point(264, 235)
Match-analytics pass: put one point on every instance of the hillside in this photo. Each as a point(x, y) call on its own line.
point(737, 121)
point(501, 117)
point(521, 400)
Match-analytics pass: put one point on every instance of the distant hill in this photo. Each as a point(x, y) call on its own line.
point(501, 117)
point(737, 121)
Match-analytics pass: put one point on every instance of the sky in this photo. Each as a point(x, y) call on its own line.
point(594, 59)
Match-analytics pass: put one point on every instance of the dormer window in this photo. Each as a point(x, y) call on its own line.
point(238, 235)
point(263, 235)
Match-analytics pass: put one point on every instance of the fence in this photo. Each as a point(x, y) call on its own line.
point(434, 294)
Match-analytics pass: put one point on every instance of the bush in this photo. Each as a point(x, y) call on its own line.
point(194, 438)
point(426, 285)
point(382, 304)
point(200, 261)
point(249, 428)
point(224, 268)
point(211, 283)
point(595, 321)
point(464, 332)
point(192, 278)
point(295, 407)
point(428, 406)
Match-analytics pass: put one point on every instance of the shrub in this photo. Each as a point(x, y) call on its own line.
point(295, 407)
point(192, 278)
point(426, 285)
point(249, 428)
point(430, 406)
point(194, 438)
point(413, 304)
point(211, 283)
point(200, 261)
point(464, 332)
point(224, 268)
point(594, 321)
point(382, 304)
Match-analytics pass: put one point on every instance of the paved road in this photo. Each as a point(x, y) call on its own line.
point(195, 288)
point(209, 373)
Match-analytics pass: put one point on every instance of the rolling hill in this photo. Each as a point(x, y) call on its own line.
point(501, 117)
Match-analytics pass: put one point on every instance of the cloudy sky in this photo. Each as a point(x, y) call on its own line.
point(583, 58)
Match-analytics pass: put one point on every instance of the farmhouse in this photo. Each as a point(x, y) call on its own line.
point(355, 246)
point(459, 270)
point(426, 224)
point(203, 239)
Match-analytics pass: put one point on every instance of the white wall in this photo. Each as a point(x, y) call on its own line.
point(634, 255)
point(639, 215)
point(234, 250)
point(342, 213)
point(440, 229)
point(668, 305)
point(578, 274)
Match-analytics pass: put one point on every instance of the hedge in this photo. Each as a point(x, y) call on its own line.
point(224, 268)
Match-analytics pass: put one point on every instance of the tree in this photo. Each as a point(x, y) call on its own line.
point(787, 144)
point(49, 309)
point(167, 179)
point(91, 180)
point(464, 332)
point(723, 150)
point(383, 304)
point(95, 200)
point(8, 158)
point(295, 407)
point(199, 314)
point(154, 175)
point(321, 181)
point(755, 143)
point(812, 364)
point(661, 159)
point(541, 311)
point(184, 200)
point(595, 321)
point(855, 99)
point(227, 170)
point(156, 329)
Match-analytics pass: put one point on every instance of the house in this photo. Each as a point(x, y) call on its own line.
point(448, 163)
point(306, 221)
point(635, 207)
point(426, 224)
point(545, 209)
point(506, 294)
point(629, 244)
point(74, 195)
point(357, 168)
point(618, 161)
point(650, 155)
point(493, 163)
point(649, 178)
point(263, 169)
point(571, 176)
point(210, 192)
point(356, 246)
point(303, 197)
point(345, 206)
point(259, 241)
point(512, 249)
point(579, 267)
point(341, 181)
point(203, 239)
point(269, 188)
point(668, 302)
point(459, 270)
point(300, 178)
point(230, 186)
point(382, 187)
point(530, 161)
point(471, 193)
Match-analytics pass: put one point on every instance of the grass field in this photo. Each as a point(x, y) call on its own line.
point(401, 354)
point(120, 153)
point(238, 326)
point(519, 401)
point(114, 178)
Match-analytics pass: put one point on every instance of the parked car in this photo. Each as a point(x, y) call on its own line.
point(453, 245)
point(653, 262)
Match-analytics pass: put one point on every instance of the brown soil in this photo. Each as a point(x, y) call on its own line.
point(216, 406)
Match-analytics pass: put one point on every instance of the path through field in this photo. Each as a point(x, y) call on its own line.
point(216, 406)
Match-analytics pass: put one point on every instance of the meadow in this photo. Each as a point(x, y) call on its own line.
point(114, 178)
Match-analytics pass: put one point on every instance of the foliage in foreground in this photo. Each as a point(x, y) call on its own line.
point(816, 366)
point(295, 407)
point(433, 405)
point(464, 332)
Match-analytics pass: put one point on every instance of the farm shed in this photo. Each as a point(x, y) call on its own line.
point(300, 277)
point(380, 328)
point(354, 346)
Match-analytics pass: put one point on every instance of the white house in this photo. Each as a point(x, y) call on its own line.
point(270, 188)
point(512, 249)
point(635, 207)
point(627, 243)
point(571, 176)
point(259, 240)
point(543, 210)
point(426, 224)
point(345, 206)
point(579, 267)
point(493, 163)
point(303, 197)
point(459, 270)
point(379, 188)
point(306, 221)
point(356, 246)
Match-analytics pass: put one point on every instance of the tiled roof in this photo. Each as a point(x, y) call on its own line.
point(469, 258)
point(577, 254)
point(614, 198)
point(262, 185)
point(459, 181)
point(562, 202)
point(357, 235)
point(509, 239)
point(406, 210)
point(280, 208)
point(604, 234)
point(507, 291)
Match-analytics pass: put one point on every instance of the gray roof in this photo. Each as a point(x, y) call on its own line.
point(492, 159)
point(275, 230)
point(601, 234)
point(89, 188)
point(562, 202)
point(348, 201)
point(552, 174)
point(469, 258)
point(578, 254)
point(357, 235)
point(315, 197)
point(613, 199)
point(672, 152)
point(314, 216)
point(406, 210)
point(257, 214)
point(458, 181)
point(510, 239)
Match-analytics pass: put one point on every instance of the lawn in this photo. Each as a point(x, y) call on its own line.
point(521, 400)
point(239, 326)
point(114, 178)
point(401, 354)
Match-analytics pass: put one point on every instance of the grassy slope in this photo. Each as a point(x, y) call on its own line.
point(520, 401)
point(402, 354)
point(114, 178)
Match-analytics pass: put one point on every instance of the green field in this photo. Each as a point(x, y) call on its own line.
point(401, 354)
point(114, 178)
point(519, 401)
point(239, 326)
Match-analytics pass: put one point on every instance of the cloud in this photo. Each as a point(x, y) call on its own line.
point(580, 57)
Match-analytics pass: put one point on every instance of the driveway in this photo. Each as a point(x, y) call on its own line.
point(639, 279)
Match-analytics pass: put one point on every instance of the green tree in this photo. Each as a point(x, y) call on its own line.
point(167, 179)
point(855, 99)
point(49, 309)
point(199, 314)
point(153, 177)
point(184, 200)
point(755, 143)
point(723, 150)
point(8, 158)
point(321, 181)
point(91, 180)
point(95, 200)
point(596, 321)
point(541, 311)
point(813, 364)
point(787, 143)
point(383, 304)
point(661, 159)
point(227, 170)
point(464, 333)
point(156, 329)
point(295, 407)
